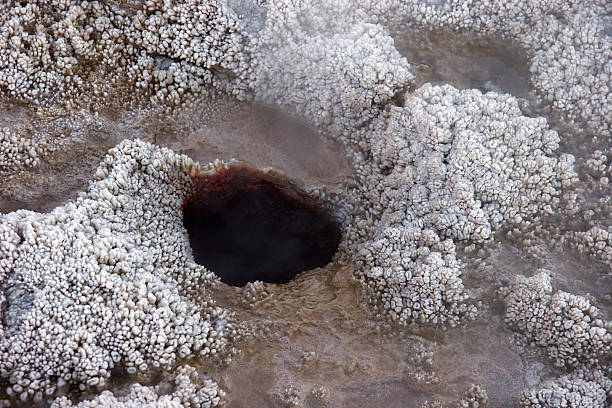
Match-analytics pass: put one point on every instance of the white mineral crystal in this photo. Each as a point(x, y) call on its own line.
point(189, 392)
point(567, 325)
point(581, 388)
point(106, 280)
point(450, 166)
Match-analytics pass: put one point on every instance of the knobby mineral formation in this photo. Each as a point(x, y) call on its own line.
point(108, 280)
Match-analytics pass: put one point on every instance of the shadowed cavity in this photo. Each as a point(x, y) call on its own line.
point(246, 225)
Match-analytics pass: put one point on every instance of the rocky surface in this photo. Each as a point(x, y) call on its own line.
point(463, 147)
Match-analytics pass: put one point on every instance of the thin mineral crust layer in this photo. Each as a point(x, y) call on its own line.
point(463, 209)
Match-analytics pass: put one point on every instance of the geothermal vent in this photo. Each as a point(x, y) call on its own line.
point(246, 225)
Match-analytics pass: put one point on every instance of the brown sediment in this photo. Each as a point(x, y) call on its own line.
point(466, 61)
point(257, 135)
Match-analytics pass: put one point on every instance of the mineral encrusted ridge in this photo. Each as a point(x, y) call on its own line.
point(106, 280)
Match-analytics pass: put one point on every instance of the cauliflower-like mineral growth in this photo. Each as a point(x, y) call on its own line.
point(339, 78)
point(449, 166)
point(163, 49)
point(566, 43)
point(190, 392)
point(476, 398)
point(106, 280)
point(567, 325)
point(596, 241)
point(18, 151)
point(581, 388)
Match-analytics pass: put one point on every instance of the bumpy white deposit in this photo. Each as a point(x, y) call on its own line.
point(108, 279)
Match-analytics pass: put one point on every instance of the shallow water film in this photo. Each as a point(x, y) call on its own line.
point(319, 204)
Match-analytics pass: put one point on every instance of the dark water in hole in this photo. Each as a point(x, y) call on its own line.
point(245, 226)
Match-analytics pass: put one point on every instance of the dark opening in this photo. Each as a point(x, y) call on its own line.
point(246, 225)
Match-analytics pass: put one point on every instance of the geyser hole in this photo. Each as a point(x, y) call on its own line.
point(246, 225)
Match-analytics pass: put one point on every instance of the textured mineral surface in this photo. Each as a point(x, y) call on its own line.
point(305, 203)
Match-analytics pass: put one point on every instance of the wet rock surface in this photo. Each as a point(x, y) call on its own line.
point(488, 64)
